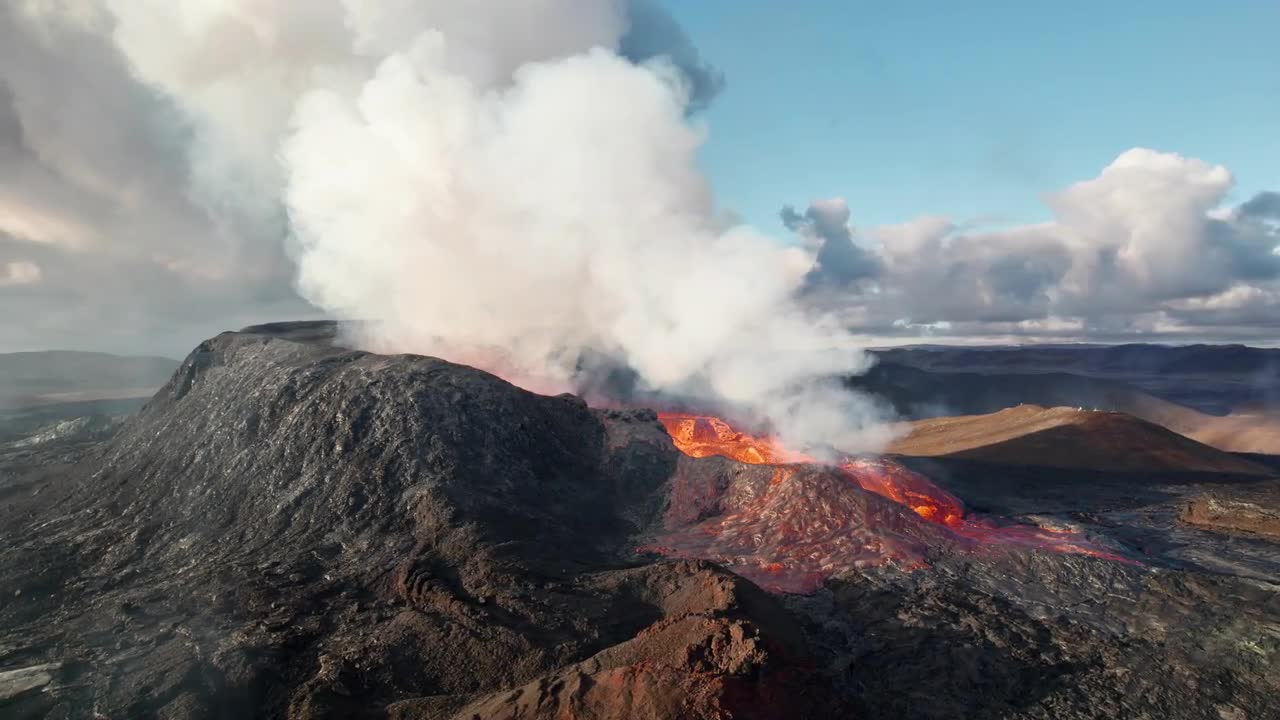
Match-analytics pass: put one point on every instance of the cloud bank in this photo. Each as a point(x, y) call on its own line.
point(1145, 249)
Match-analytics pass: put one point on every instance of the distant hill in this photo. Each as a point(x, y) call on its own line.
point(30, 379)
point(918, 394)
point(1067, 437)
point(1217, 379)
point(1090, 359)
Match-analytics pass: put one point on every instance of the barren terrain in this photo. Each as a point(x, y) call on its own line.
point(293, 529)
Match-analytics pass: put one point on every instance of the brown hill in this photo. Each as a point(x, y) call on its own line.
point(1067, 437)
point(919, 394)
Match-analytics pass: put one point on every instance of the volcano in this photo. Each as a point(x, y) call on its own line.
point(291, 528)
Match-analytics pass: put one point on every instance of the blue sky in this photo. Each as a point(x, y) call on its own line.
point(972, 110)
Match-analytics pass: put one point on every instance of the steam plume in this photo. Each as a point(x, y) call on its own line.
point(507, 184)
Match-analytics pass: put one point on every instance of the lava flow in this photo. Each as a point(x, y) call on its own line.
point(703, 436)
point(800, 520)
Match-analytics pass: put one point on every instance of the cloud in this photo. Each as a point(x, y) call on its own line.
point(168, 170)
point(19, 272)
point(1143, 247)
point(839, 260)
point(653, 33)
point(1263, 206)
point(94, 195)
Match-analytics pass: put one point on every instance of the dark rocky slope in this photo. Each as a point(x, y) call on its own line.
point(289, 527)
point(293, 529)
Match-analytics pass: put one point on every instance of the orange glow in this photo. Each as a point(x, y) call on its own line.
point(906, 488)
point(704, 436)
point(799, 527)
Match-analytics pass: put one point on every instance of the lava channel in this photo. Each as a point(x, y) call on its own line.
point(789, 521)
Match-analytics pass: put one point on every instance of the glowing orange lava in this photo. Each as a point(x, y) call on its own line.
point(906, 488)
point(806, 523)
point(704, 436)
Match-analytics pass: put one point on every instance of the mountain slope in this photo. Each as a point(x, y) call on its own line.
point(1067, 437)
point(918, 394)
point(291, 528)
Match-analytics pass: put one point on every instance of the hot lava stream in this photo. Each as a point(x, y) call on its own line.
point(789, 521)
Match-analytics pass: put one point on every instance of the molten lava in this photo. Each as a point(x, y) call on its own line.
point(704, 436)
point(907, 488)
point(800, 520)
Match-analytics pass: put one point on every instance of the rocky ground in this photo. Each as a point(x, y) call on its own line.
point(292, 529)
point(1254, 510)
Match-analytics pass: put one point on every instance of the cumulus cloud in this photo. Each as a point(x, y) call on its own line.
point(839, 260)
point(1263, 206)
point(1144, 247)
point(653, 33)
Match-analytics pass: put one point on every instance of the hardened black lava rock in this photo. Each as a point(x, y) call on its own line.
point(294, 529)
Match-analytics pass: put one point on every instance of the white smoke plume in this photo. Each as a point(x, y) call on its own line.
point(500, 183)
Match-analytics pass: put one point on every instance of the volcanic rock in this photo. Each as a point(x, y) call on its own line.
point(1256, 510)
point(14, 683)
point(290, 528)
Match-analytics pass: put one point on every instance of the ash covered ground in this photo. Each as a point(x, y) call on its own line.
point(293, 529)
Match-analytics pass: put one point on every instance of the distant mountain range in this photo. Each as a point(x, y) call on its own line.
point(1136, 358)
point(1066, 437)
point(39, 378)
point(1216, 379)
point(1246, 417)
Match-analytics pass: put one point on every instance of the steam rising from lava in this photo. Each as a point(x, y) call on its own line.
point(503, 184)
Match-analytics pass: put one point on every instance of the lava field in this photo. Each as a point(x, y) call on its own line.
point(294, 529)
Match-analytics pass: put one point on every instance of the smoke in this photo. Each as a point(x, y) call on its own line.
point(512, 185)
